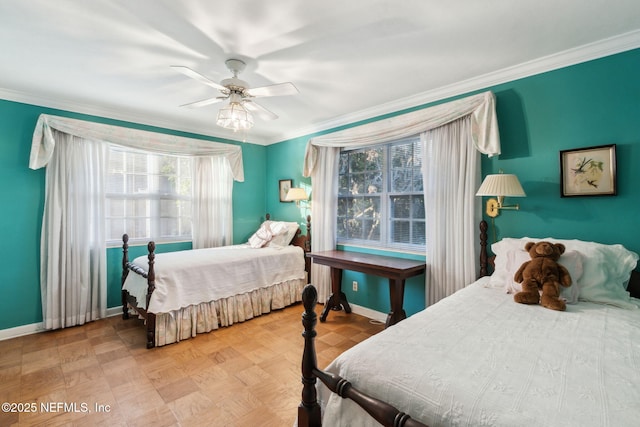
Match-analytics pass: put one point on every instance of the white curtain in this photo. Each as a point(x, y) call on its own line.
point(73, 254)
point(324, 150)
point(212, 203)
point(43, 143)
point(451, 174)
point(323, 213)
point(481, 109)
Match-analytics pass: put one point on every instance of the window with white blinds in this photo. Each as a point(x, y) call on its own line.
point(148, 196)
point(381, 196)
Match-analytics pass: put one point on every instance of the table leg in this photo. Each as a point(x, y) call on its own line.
point(337, 300)
point(396, 295)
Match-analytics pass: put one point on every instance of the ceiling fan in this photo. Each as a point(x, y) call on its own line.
point(236, 115)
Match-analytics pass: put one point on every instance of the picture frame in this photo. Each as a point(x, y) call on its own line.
point(284, 185)
point(589, 171)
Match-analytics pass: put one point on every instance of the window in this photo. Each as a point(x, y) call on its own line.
point(381, 197)
point(148, 196)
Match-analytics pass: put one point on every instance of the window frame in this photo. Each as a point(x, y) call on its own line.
point(385, 202)
point(155, 197)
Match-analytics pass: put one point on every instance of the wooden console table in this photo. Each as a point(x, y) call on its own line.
point(395, 269)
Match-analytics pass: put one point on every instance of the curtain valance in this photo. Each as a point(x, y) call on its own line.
point(481, 108)
point(43, 144)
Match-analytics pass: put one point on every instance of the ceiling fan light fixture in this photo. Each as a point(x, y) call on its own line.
point(235, 117)
point(237, 114)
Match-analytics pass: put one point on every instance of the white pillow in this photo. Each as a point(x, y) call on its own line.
point(571, 260)
point(284, 232)
point(262, 236)
point(606, 268)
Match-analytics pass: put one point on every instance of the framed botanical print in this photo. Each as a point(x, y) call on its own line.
point(588, 171)
point(284, 185)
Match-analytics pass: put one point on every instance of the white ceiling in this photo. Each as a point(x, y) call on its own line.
point(350, 59)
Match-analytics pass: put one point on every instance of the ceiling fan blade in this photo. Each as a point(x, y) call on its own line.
point(258, 109)
point(199, 77)
point(279, 89)
point(204, 102)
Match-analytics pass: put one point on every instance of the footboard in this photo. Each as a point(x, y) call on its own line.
point(129, 300)
point(309, 409)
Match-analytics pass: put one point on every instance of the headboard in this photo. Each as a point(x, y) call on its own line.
point(487, 263)
point(301, 240)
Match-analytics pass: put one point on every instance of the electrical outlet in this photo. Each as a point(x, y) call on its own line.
point(355, 286)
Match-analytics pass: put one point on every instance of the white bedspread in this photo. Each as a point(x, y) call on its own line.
point(479, 359)
point(191, 277)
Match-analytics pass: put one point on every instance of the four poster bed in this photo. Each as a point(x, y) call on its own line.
point(477, 358)
point(181, 294)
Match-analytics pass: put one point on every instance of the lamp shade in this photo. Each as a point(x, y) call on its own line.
point(296, 194)
point(501, 184)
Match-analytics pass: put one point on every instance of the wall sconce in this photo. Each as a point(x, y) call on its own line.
point(500, 185)
point(295, 195)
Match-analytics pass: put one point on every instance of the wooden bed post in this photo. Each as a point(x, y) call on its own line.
point(151, 286)
point(309, 409)
point(309, 413)
point(484, 258)
point(125, 273)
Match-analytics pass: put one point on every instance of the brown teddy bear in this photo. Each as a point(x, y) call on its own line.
point(542, 277)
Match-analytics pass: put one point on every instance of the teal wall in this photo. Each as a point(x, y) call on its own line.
point(20, 218)
point(22, 198)
point(589, 104)
point(586, 105)
point(285, 162)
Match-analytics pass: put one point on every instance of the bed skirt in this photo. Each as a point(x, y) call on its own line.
point(185, 323)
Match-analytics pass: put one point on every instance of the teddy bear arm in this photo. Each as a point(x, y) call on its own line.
point(518, 277)
point(564, 276)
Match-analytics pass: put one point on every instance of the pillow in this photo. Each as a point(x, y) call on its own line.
point(284, 232)
point(262, 236)
point(606, 268)
point(571, 260)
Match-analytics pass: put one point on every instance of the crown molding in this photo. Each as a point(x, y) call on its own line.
point(585, 53)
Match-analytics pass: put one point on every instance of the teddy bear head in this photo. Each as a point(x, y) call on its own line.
point(545, 250)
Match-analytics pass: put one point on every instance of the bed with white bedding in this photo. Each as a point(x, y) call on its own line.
point(477, 358)
point(181, 294)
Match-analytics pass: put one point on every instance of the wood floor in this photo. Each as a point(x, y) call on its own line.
point(102, 374)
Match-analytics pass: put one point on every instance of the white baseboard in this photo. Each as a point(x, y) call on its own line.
point(114, 311)
point(367, 312)
point(18, 331)
point(34, 328)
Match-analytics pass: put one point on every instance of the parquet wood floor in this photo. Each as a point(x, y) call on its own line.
point(102, 374)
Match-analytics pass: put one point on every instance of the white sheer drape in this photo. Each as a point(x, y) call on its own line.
point(324, 150)
point(451, 175)
point(43, 143)
point(323, 212)
point(73, 275)
point(73, 253)
point(212, 203)
point(481, 109)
